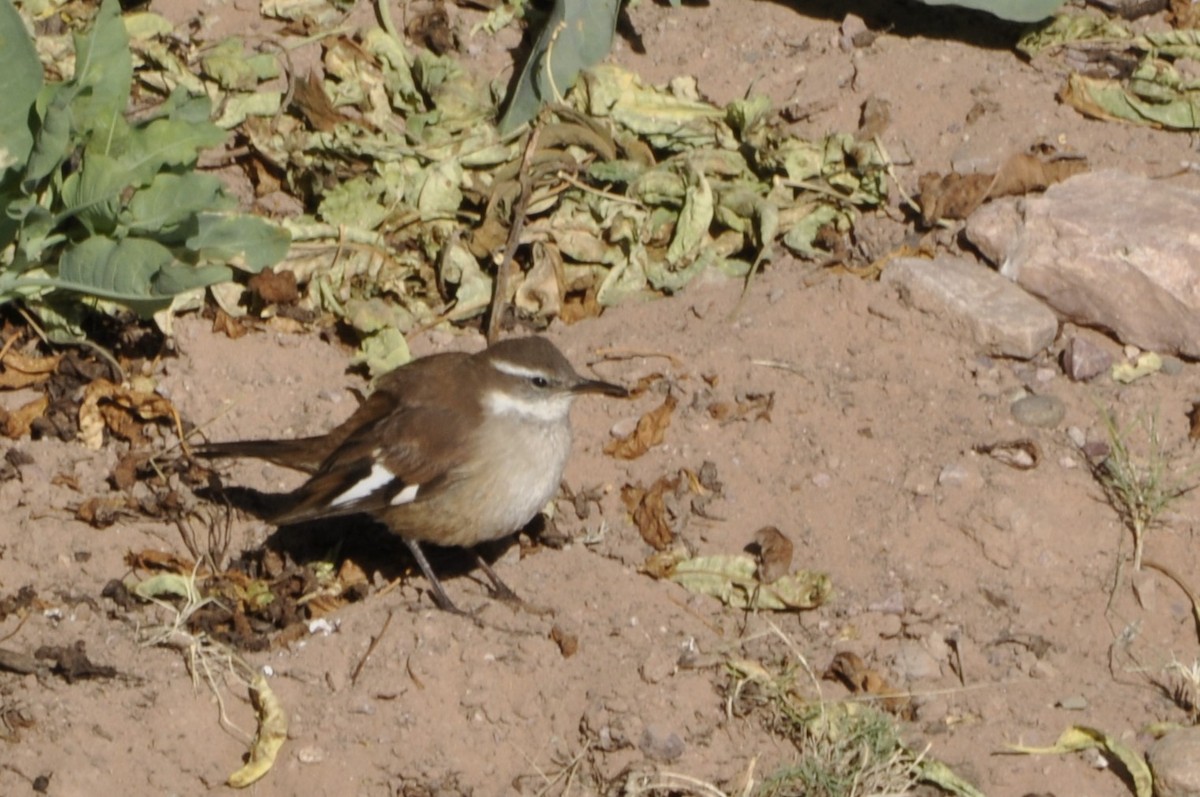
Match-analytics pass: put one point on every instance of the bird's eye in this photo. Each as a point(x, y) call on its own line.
point(539, 381)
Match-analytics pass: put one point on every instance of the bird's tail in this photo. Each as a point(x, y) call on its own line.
point(305, 454)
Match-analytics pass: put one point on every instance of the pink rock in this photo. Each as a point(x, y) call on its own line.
point(1107, 250)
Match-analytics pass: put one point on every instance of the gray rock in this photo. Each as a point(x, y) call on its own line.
point(1107, 250)
point(659, 745)
point(1042, 412)
point(1001, 318)
point(1084, 360)
point(1175, 761)
point(913, 663)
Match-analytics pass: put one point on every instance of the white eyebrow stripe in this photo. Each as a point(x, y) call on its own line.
point(512, 369)
point(378, 477)
point(407, 495)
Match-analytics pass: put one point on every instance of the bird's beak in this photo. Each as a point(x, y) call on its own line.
point(602, 388)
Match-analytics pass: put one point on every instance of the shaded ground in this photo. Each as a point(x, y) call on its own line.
point(984, 590)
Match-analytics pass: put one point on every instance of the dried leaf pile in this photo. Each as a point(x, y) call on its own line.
point(625, 190)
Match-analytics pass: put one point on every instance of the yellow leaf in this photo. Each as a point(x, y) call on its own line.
point(272, 732)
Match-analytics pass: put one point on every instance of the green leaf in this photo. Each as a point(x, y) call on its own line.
point(52, 142)
point(577, 35)
point(245, 242)
point(20, 82)
point(166, 209)
point(103, 71)
point(93, 193)
point(234, 70)
point(170, 142)
point(1013, 10)
point(136, 272)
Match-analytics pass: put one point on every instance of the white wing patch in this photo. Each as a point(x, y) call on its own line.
point(378, 477)
point(407, 495)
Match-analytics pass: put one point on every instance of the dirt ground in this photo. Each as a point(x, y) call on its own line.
point(984, 590)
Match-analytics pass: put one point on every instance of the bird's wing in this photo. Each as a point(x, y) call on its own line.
point(386, 461)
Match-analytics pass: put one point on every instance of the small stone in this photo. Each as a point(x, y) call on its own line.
point(658, 666)
point(854, 29)
point(1175, 761)
point(1171, 366)
point(1073, 703)
point(659, 745)
point(1043, 670)
point(1077, 436)
point(913, 663)
point(1083, 360)
point(1041, 412)
point(310, 755)
point(952, 475)
point(822, 480)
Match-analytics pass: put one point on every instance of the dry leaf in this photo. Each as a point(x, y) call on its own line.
point(269, 287)
point(101, 512)
point(150, 559)
point(1079, 737)
point(860, 679)
point(313, 103)
point(731, 579)
point(774, 554)
point(568, 643)
point(649, 510)
point(431, 29)
point(756, 406)
point(272, 733)
point(20, 371)
point(1019, 454)
point(120, 409)
point(1194, 421)
point(957, 196)
point(16, 424)
point(230, 327)
point(651, 429)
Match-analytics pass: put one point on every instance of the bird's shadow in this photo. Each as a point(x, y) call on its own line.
point(357, 538)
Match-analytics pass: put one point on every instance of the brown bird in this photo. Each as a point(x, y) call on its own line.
point(452, 449)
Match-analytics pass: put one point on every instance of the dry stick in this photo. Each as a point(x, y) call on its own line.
point(1171, 574)
point(504, 272)
point(370, 649)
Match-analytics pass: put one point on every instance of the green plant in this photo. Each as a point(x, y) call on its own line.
point(98, 205)
point(1139, 487)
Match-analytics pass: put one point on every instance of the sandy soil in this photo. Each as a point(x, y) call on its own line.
point(984, 590)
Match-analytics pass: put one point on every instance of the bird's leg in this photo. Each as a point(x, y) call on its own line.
point(500, 590)
point(439, 595)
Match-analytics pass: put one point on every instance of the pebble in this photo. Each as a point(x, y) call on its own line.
point(913, 663)
point(1077, 436)
point(1073, 703)
point(1175, 761)
point(1171, 366)
point(1041, 412)
point(661, 746)
point(952, 476)
point(310, 755)
point(1083, 360)
point(658, 666)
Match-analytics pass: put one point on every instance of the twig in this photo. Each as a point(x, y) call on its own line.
point(504, 272)
point(370, 649)
point(1179, 582)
